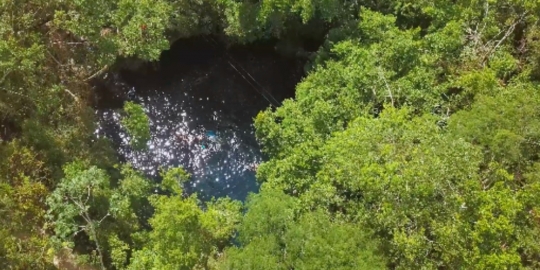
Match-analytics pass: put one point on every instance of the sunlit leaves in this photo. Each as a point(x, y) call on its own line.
point(119, 28)
point(173, 179)
point(221, 218)
point(128, 200)
point(142, 26)
point(85, 202)
point(248, 21)
point(384, 67)
point(273, 236)
point(74, 196)
point(504, 121)
point(419, 188)
point(137, 124)
point(22, 195)
point(184, 236)
point(119, 252)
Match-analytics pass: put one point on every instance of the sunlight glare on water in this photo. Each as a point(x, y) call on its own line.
point(218, 153)
point(201, 113)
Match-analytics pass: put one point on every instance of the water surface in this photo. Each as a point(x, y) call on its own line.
point(201, 101)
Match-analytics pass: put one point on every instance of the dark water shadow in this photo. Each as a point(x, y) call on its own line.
point(201, 100)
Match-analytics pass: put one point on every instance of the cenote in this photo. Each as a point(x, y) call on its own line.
point(201, 98)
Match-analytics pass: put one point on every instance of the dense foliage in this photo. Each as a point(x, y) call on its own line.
point(412, 142)
point(137, 125)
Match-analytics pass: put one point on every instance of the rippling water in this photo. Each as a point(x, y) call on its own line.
point(201, 103)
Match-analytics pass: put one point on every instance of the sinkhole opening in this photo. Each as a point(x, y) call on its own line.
point(201, 98)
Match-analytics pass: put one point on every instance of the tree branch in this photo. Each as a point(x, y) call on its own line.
point(509, 31)
point(5, 76)
point(97, 73)
point(54, 58)
point(83, 228)
point(104, 217)
point(73, 95)
point(387, 86)
point(89, 193)
point(91, 229)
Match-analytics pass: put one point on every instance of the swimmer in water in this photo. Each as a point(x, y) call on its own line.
point(182, 138)
point(131, 93)
point(200, 140)
point(253, 166)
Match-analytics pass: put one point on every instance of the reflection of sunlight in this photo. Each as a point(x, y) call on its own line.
point(216, 151)
point(184, 100)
